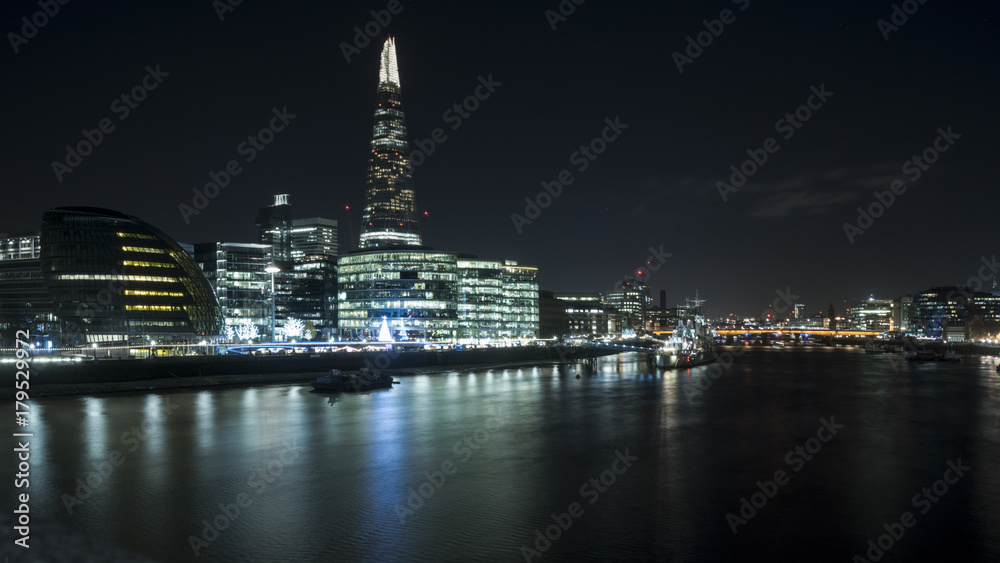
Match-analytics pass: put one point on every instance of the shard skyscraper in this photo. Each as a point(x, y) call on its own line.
point(417, 293)
point(390, 215)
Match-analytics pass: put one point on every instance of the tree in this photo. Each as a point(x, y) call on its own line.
point(293, 328)
point(247, 332)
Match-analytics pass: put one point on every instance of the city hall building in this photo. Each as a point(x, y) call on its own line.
point(114, 279)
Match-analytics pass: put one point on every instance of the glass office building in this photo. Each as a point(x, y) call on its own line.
point(413, 288)
point(24, 301)
point(314, 294)
point(115, 279)
point(237, 274)
point(390, 214)
point(480, 299)
point(520, 301)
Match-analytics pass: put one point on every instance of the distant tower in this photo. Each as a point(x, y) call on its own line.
point(390, 215)
point(832, 315)
point(274, 227)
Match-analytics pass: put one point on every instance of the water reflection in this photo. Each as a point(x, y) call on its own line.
point(326, 473)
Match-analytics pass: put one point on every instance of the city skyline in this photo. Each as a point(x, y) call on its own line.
point(868, 92)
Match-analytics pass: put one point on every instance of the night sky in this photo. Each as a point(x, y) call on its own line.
point(653, 186)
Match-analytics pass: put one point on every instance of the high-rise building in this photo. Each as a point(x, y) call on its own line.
point(520, 301)
point(420, 293)
point(274, 227)
point(631, 300)
point(390, 214)
point(24, 301)
point(874, 314)
point(480, 298)
point(315, 235)
point(313, 299)
point(238, 276)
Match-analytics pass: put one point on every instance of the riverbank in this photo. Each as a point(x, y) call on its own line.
point(242, 380)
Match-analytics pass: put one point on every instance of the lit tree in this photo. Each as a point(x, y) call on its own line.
point(247, 332)
point(293, 328)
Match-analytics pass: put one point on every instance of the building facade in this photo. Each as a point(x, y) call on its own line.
point(480, 299)
point(274, 228)
point(313, 298)
point(113, 278)
point(874, 314)
point(415, 289)
point(24, 301)
point(631, 300)
point(237, 272)
point(390, 214)
point(589, 314)
point(314, 236)
point(520, 301)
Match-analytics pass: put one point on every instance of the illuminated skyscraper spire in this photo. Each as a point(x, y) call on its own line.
point(390, 215)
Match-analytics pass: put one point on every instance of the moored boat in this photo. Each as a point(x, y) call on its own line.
point(352, 382)
point(691, 344)
point(951, 356)
point(922, 356)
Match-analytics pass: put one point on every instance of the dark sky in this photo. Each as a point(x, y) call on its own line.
point(653, 186)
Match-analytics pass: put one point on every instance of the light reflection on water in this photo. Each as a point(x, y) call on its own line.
point(331, 477)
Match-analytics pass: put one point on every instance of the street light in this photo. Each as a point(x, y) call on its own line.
point(271, 269)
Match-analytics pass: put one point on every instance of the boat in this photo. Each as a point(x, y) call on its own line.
point(922, 356)
point(950, 356)
point(352, 382)
point(691, 344)
point(872, 347)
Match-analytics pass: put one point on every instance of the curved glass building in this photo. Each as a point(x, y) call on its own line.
point(114, 278)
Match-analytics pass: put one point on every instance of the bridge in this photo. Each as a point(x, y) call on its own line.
point(814, 331)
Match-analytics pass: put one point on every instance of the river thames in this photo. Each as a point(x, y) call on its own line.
point(794, 454)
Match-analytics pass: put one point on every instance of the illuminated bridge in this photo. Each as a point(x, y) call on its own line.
point(813, 331)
